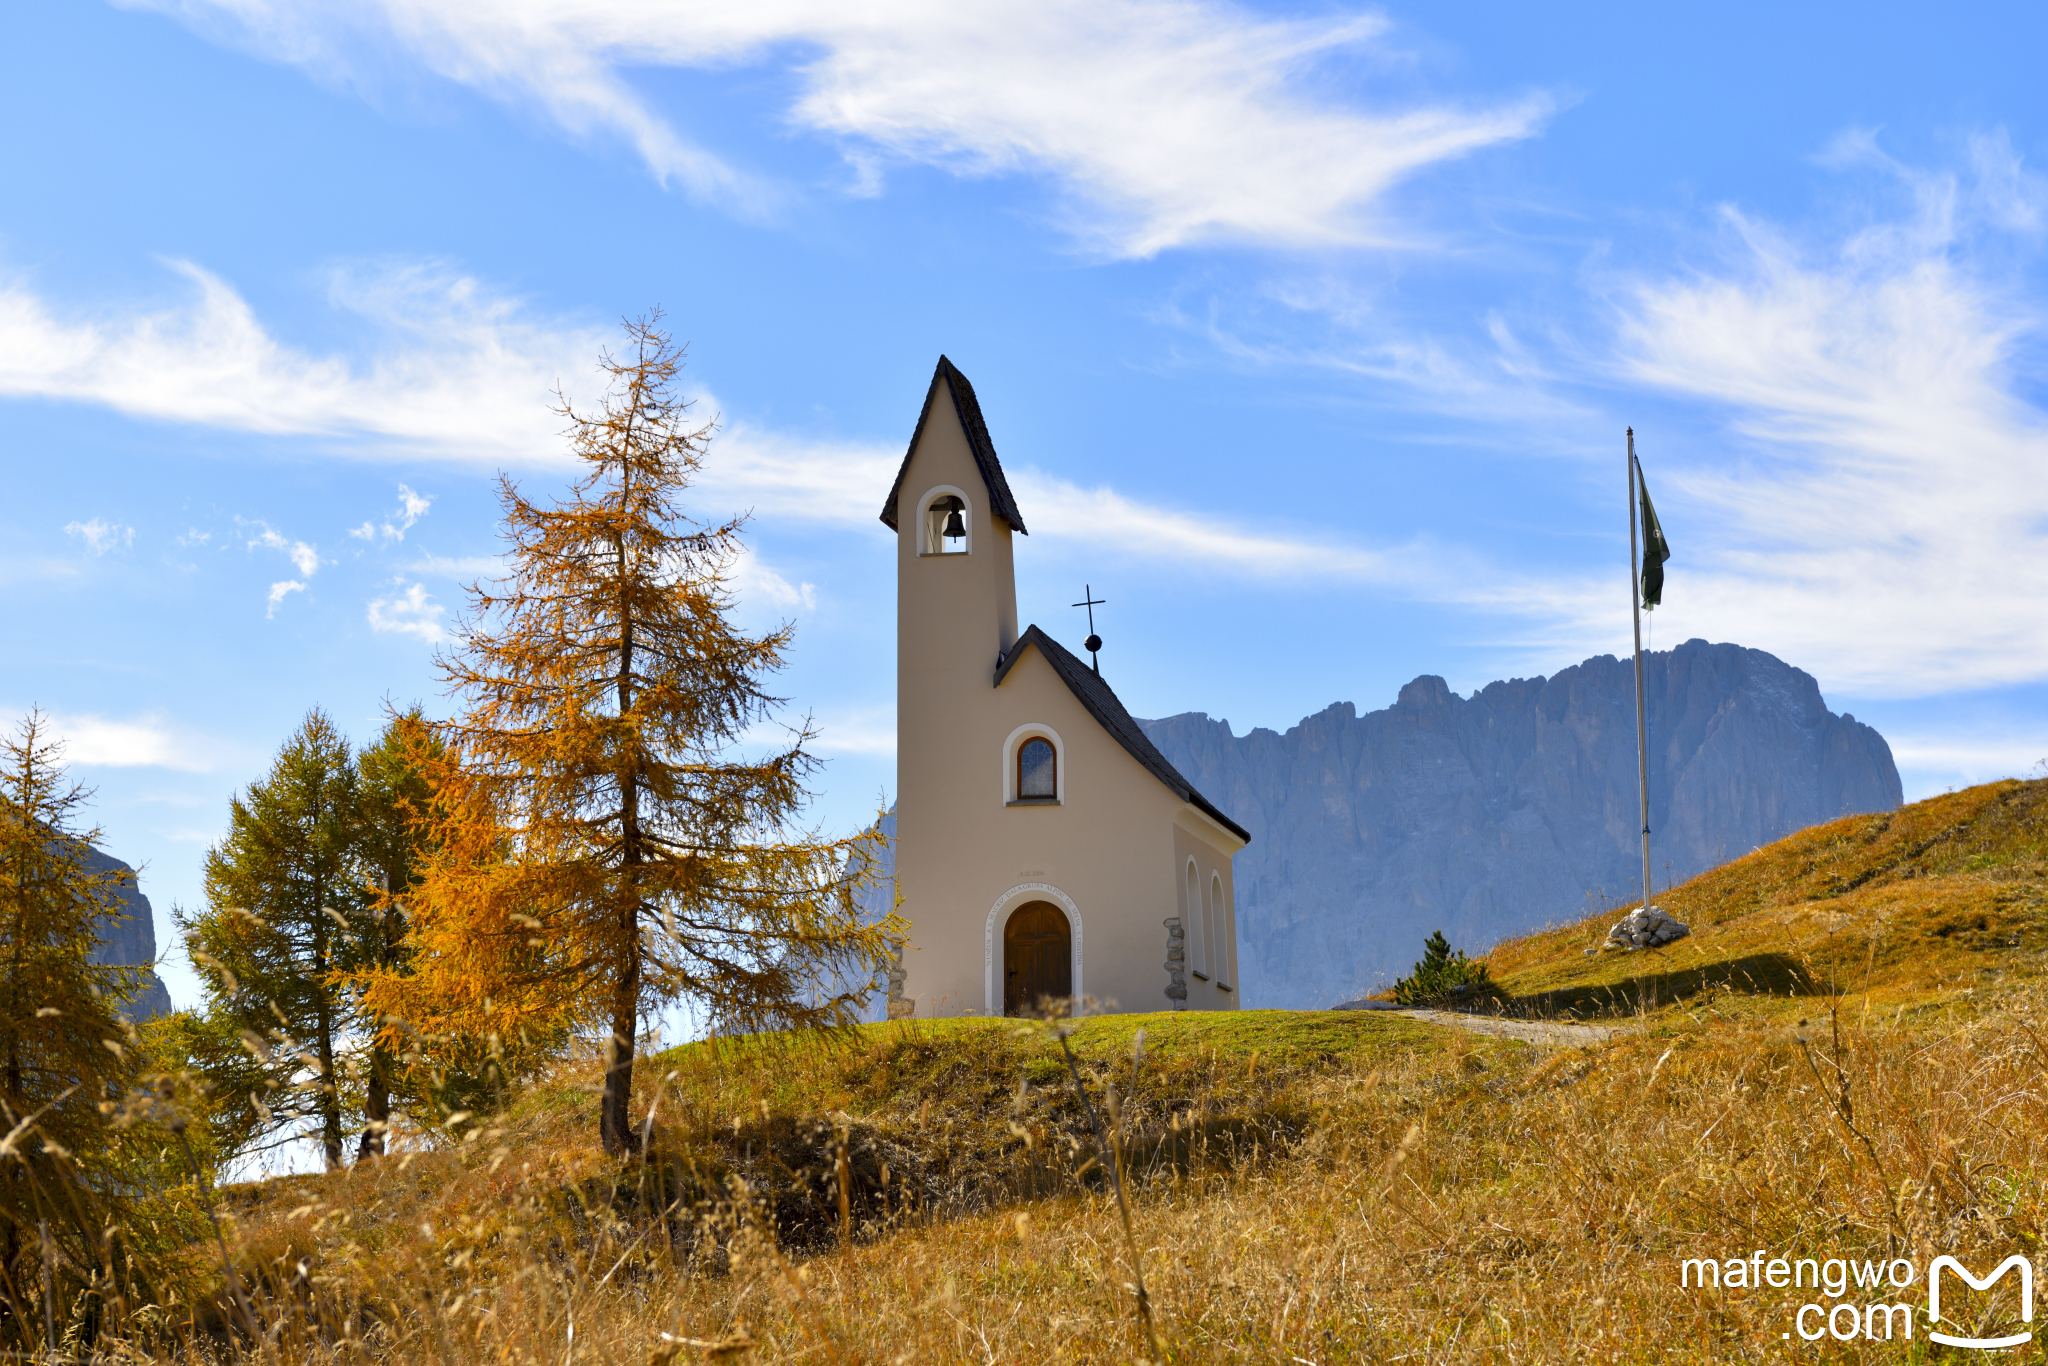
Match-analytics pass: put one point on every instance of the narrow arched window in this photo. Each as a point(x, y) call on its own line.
point(945, 526)
point(1225, 927)
point(1198, 924)
point(1037, 771)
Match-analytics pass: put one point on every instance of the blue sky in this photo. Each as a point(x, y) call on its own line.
point(1307, 334)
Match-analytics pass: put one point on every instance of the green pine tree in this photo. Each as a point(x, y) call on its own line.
point(285, 895)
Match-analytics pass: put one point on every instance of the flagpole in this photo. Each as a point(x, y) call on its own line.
point(1635, 603)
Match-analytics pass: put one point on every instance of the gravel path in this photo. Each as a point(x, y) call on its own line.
point(1530, 1031)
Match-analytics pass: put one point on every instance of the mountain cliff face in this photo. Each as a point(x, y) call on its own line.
point(131, 942)
point(1493, 815)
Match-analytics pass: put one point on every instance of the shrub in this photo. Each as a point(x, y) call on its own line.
point(1443, 972)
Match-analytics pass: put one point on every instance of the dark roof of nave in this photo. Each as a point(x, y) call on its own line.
point(968, 407)
point(1102, 704)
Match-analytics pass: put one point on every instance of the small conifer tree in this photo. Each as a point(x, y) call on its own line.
point(1443, 972)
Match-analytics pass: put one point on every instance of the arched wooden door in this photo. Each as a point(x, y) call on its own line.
point(1038, 957)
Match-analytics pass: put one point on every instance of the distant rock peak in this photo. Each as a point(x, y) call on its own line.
point(131, 941)
point(1492, 815)
point(1426, 691)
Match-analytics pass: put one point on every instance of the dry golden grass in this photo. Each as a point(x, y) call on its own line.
point(1311, 1187)
point(1929, 905)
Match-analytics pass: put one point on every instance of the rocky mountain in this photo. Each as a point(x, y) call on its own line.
point(1491, 815)
point(132, 941)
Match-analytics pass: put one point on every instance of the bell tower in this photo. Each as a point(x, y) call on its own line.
point(956, 588)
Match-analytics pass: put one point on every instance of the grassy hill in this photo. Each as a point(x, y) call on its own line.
point(1928, 907)
point(1844, 1060)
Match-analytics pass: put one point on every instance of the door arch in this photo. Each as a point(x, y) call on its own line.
point(992, 938)
point(1038, 957)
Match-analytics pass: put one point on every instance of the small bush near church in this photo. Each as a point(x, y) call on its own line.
point(1444, 972)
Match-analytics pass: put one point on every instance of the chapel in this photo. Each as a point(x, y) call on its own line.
point(1044, 849)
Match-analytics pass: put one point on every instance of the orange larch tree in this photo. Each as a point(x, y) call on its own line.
point(609, 839)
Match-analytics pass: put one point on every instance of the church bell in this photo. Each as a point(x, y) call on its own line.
point(955, 528)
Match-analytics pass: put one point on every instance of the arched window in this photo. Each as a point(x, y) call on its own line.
point(1226, 934)
point(1037, 771)
point(945, 525)
point(1198, 924)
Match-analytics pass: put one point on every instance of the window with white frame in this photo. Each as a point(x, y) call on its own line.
point(1198, 923)
point(1034, 766)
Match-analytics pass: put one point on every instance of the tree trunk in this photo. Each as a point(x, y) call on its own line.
point(330, 1095)
point(377, 1098)
point(615, 1123)
point(376, 1105)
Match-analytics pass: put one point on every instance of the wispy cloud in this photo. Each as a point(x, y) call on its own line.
point(1886, 519)
point(1163, 121)
point(843, 484)
point(146, 741)
point(830, 481)
point(303, 556)
point(278, 593)
point(461, 374)
point(863, 731)
point(1104, 517)
point(100, 536)
point(756, 586)
point(407, 610)
point(411, 507)
point(464, 567)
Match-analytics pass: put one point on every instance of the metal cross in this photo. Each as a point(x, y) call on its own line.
point(1094, 642)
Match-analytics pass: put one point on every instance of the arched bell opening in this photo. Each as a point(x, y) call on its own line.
point(945, 525)
point(1038, 962)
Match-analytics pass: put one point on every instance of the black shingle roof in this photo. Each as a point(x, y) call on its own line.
point(969, 409)
point(1102, 704)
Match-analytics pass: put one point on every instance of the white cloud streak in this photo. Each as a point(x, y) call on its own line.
point(1887, 521)
point(101, 537)
point(411, 507)
point(278, 592)
point(835, 482)
point(465, 567)
point(844, 484)
point(303, 556)
point(146, 741)
point(757, 586)
point(462, 375)
point(1163, 121)
point(407, 610)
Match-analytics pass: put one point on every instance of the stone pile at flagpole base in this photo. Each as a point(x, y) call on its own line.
point(1645, 927)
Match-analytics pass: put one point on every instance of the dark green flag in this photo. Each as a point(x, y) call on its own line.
point(1656, 549)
